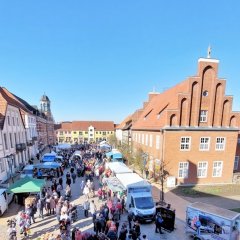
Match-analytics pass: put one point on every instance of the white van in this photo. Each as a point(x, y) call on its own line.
point(139, 196)
point(5, 199)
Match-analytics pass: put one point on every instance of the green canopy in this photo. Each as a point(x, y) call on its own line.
point(27, 184)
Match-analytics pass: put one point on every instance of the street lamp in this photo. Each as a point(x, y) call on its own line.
point(10, 163)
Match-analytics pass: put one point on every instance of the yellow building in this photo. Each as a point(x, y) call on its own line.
point(82, 131)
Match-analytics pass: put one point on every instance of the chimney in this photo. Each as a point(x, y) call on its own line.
point(151, 95)
point(145, 104)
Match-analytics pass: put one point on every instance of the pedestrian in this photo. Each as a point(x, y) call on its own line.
point(59, 189)
point(130, 218)
point(52, 205)
point(123, 203)
point(74, 177)
point(47, 206)
point(123, 232)
point(68, 181)
point(86, 191)
point(158, 223)
point(30, 212)
point(40, 206)
point(60, 181)
point(68, 175)
point(137, 228)
point(58, 210)
point(82, 185)
point(86, 207)
point(93, 208)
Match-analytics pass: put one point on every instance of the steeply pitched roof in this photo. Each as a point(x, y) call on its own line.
point(83, 125)
point(123, 123)
point(6, 98)
point(159, 105)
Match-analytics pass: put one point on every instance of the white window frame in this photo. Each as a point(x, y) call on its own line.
point(217, 170)
point(203, 145)
point(202, 169)
point(150, 140)
point(220, 143)
point(203, 116)
point(183, 168)
point(143, 138)
point(184, 145)
point(146, 140)
point(139, 138)
point(157, 141)
point(236, 163)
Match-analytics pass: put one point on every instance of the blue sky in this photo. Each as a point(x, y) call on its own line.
point(97, 60)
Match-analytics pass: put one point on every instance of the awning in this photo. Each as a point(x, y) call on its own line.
point(49, 157)
point(117, 155)
point(48, 165)
point(119, 167)
point(109, 154)
point(63, 146)
point(27, 184)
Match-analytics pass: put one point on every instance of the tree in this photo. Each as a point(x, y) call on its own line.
point(163, 174)
point(138, 159)
point(126, 150)
point(113, 141)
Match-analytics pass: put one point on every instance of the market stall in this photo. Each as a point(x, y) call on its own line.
point(24, 186)
point(114, 185)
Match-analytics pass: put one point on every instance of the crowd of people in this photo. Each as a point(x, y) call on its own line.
point(55, 200)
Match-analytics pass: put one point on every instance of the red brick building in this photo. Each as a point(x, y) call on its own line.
point(191, 128)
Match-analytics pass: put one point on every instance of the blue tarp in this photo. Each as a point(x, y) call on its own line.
point(48, 158)
point(117, 155)
point(109, 154)
point(48, 165)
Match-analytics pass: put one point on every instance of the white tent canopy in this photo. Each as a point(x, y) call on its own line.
point(63, 146)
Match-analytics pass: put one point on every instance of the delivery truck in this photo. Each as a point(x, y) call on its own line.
point(139, 198)
point(208, 222)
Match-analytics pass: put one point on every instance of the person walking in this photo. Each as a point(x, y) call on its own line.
point(123, 232)
point(40, 206)
point(52, 205)
point(158, 223)
point(130, 218)
point(86, 207)
point(93, 208)
point(74, 175)
point(68, 181)
point(30, 212)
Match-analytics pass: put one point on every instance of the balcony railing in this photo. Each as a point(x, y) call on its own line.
point(21, 146)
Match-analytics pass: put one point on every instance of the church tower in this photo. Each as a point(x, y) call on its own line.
point(45, 105)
